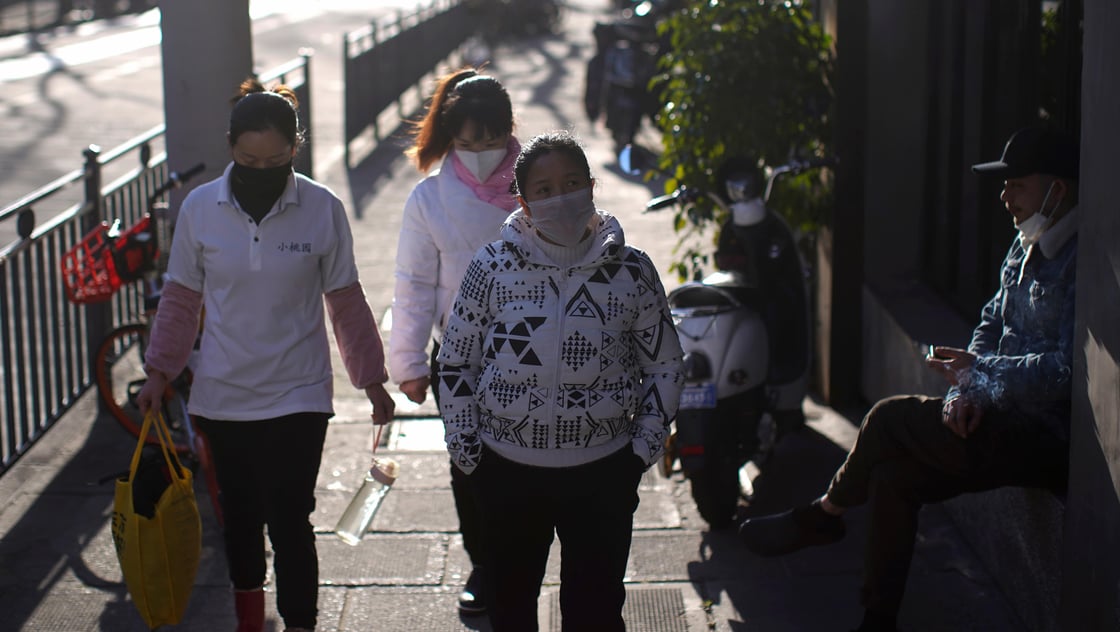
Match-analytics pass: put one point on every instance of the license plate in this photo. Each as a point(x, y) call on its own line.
point(698, 396)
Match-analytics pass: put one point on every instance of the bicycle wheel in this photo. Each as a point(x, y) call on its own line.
point(119, 371)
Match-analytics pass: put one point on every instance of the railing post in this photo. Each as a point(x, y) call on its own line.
point(91, 178)
point(98, 315)
point(375, 36)
point(305, 105)
point(398, 62)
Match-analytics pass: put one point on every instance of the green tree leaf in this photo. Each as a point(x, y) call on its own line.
point(744, 77)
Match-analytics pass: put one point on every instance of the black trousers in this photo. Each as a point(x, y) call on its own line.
point(267, 471)
point(466, 506)
point(905, 457)
point(590, 507)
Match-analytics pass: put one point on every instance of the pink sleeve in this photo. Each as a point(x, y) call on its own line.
point(174, 330)
point(359, 342)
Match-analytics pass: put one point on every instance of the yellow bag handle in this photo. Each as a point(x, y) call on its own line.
point(163, 434)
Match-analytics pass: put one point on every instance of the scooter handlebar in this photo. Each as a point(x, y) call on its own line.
point(662, 201)
point(683, 195)
point(797, 165)
point(175, 180)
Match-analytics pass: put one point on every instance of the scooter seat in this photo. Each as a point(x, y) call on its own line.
point(704, 294)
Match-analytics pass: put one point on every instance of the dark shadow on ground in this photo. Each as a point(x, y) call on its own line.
point(374, 170)
point(798, 471)
point(61, 543)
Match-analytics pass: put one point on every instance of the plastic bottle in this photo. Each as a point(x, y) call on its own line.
point(359, 513)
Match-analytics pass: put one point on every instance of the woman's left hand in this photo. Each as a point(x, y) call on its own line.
point(382, 402)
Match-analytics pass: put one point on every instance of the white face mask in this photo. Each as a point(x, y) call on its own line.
point(748, 213)
point(563, 219)
point(1032, 228)
point(481, 163)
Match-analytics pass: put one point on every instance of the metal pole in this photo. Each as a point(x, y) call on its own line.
point(98, 315)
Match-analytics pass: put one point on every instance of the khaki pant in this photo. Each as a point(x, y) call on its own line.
point(905, 457)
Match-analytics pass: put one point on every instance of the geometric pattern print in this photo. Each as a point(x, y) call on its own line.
point(573, 398)
point(514, 339)
point(564, 341)
point(460, 342)
point(583, 305)
point(571, 432)
point(650, 338)
point(613, 351)
point(525, 432)
point(506, 430)
point(577, 351)
point(519, 294)
point(465, 446)
point(616, 308)
point(504, 393)
point(474, 283)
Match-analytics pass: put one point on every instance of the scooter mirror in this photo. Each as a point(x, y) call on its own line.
point(626, 161)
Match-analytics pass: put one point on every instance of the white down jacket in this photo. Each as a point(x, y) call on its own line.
point(554, 366)
point(443, 226)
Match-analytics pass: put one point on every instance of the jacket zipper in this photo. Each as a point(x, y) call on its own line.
point(562, 291)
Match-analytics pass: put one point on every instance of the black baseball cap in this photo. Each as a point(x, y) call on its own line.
point(1035, 149)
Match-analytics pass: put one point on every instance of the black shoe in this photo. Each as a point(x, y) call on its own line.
point(471, 600)
point(791, 531)
point(875, 622)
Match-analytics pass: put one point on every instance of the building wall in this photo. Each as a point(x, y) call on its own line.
point(897, 102)
point(1091, 579)
point(947, 82)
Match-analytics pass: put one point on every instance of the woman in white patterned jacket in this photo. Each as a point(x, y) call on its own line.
point(561, 371)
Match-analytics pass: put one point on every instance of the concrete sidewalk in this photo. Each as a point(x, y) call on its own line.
point(60, 572)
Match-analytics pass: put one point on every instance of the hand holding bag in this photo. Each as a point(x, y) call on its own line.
point(158, 554)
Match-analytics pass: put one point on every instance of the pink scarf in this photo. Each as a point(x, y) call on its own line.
point(496, 188)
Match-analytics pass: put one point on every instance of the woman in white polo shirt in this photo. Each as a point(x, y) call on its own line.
point(260, 248)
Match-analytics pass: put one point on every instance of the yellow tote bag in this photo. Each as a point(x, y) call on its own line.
point(158, 554)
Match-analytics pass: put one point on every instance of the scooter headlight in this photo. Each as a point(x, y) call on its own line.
point(696, 367)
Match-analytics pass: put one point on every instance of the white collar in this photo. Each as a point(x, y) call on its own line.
point(1057, 235)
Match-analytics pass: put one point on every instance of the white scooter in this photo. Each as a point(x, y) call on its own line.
point(744, 383)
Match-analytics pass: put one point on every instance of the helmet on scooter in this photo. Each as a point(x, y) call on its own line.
point(740, 179)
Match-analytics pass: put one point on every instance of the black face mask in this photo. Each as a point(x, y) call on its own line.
point(257, 189)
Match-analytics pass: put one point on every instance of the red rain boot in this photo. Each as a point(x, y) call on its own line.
point(250, 609)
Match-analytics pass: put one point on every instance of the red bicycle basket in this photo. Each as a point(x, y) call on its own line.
point(88, 273)
point(135, 251)
point(95, 268)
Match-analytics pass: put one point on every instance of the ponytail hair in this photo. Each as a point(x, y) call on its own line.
point(460, 96)
point(256, 109)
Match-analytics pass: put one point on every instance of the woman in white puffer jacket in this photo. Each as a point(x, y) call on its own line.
point(451, 213)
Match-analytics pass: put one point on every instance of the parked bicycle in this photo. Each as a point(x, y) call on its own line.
point(105, 260)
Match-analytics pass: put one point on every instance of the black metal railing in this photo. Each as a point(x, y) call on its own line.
point(296, 74)
point(385, 59)
point(46, 342)
point(28, 16)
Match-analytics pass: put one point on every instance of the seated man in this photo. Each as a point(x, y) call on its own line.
point(1005, 418)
